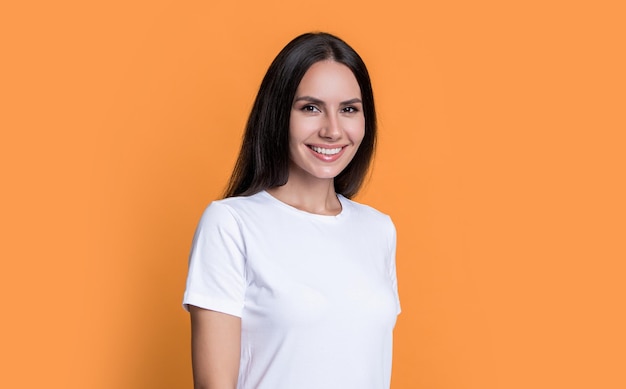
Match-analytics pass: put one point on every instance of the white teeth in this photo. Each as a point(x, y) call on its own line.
point(326, 151)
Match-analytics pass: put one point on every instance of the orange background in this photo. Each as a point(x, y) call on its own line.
point(501, 161)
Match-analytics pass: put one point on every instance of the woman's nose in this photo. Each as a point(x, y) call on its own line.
point(331, 128)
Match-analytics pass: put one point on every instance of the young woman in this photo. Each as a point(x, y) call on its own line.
point(292, 285)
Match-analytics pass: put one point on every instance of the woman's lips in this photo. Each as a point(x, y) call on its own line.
point(327, 154)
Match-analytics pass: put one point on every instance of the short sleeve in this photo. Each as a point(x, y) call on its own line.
point(392, 264)
point(216, 278)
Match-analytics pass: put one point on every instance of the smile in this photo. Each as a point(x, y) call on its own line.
point(324, 151)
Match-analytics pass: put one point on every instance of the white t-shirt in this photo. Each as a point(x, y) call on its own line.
point(317, 295)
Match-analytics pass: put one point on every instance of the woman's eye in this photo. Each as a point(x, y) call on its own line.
point(350, 109)
point(310, 108)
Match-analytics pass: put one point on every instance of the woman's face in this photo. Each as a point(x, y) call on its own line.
point(327, 124)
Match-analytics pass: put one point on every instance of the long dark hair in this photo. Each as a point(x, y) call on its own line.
point(263, 161)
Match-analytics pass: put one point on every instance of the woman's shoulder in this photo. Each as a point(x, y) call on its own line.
point(239, 201)
point(236, 206)
point(366, 211)
point(371, 222)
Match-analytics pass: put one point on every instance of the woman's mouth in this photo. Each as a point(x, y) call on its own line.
point(321, 150)
point(327, 154)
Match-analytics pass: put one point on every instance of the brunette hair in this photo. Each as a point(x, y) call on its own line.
point(263, 161)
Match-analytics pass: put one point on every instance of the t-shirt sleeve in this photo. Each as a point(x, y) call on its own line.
point(392, 264)
point(216, 278)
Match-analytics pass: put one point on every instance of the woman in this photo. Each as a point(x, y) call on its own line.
point(292, 285)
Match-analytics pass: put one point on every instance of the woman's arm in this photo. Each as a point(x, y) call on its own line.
point(215, 348)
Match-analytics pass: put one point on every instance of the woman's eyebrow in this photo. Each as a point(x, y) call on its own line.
point(320, 102)
point(309, 99)
point(351, 101)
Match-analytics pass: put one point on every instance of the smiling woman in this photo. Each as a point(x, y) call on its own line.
point(291, 284)
point(326, 126)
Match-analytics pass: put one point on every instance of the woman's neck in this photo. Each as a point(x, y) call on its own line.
point(311, 195)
